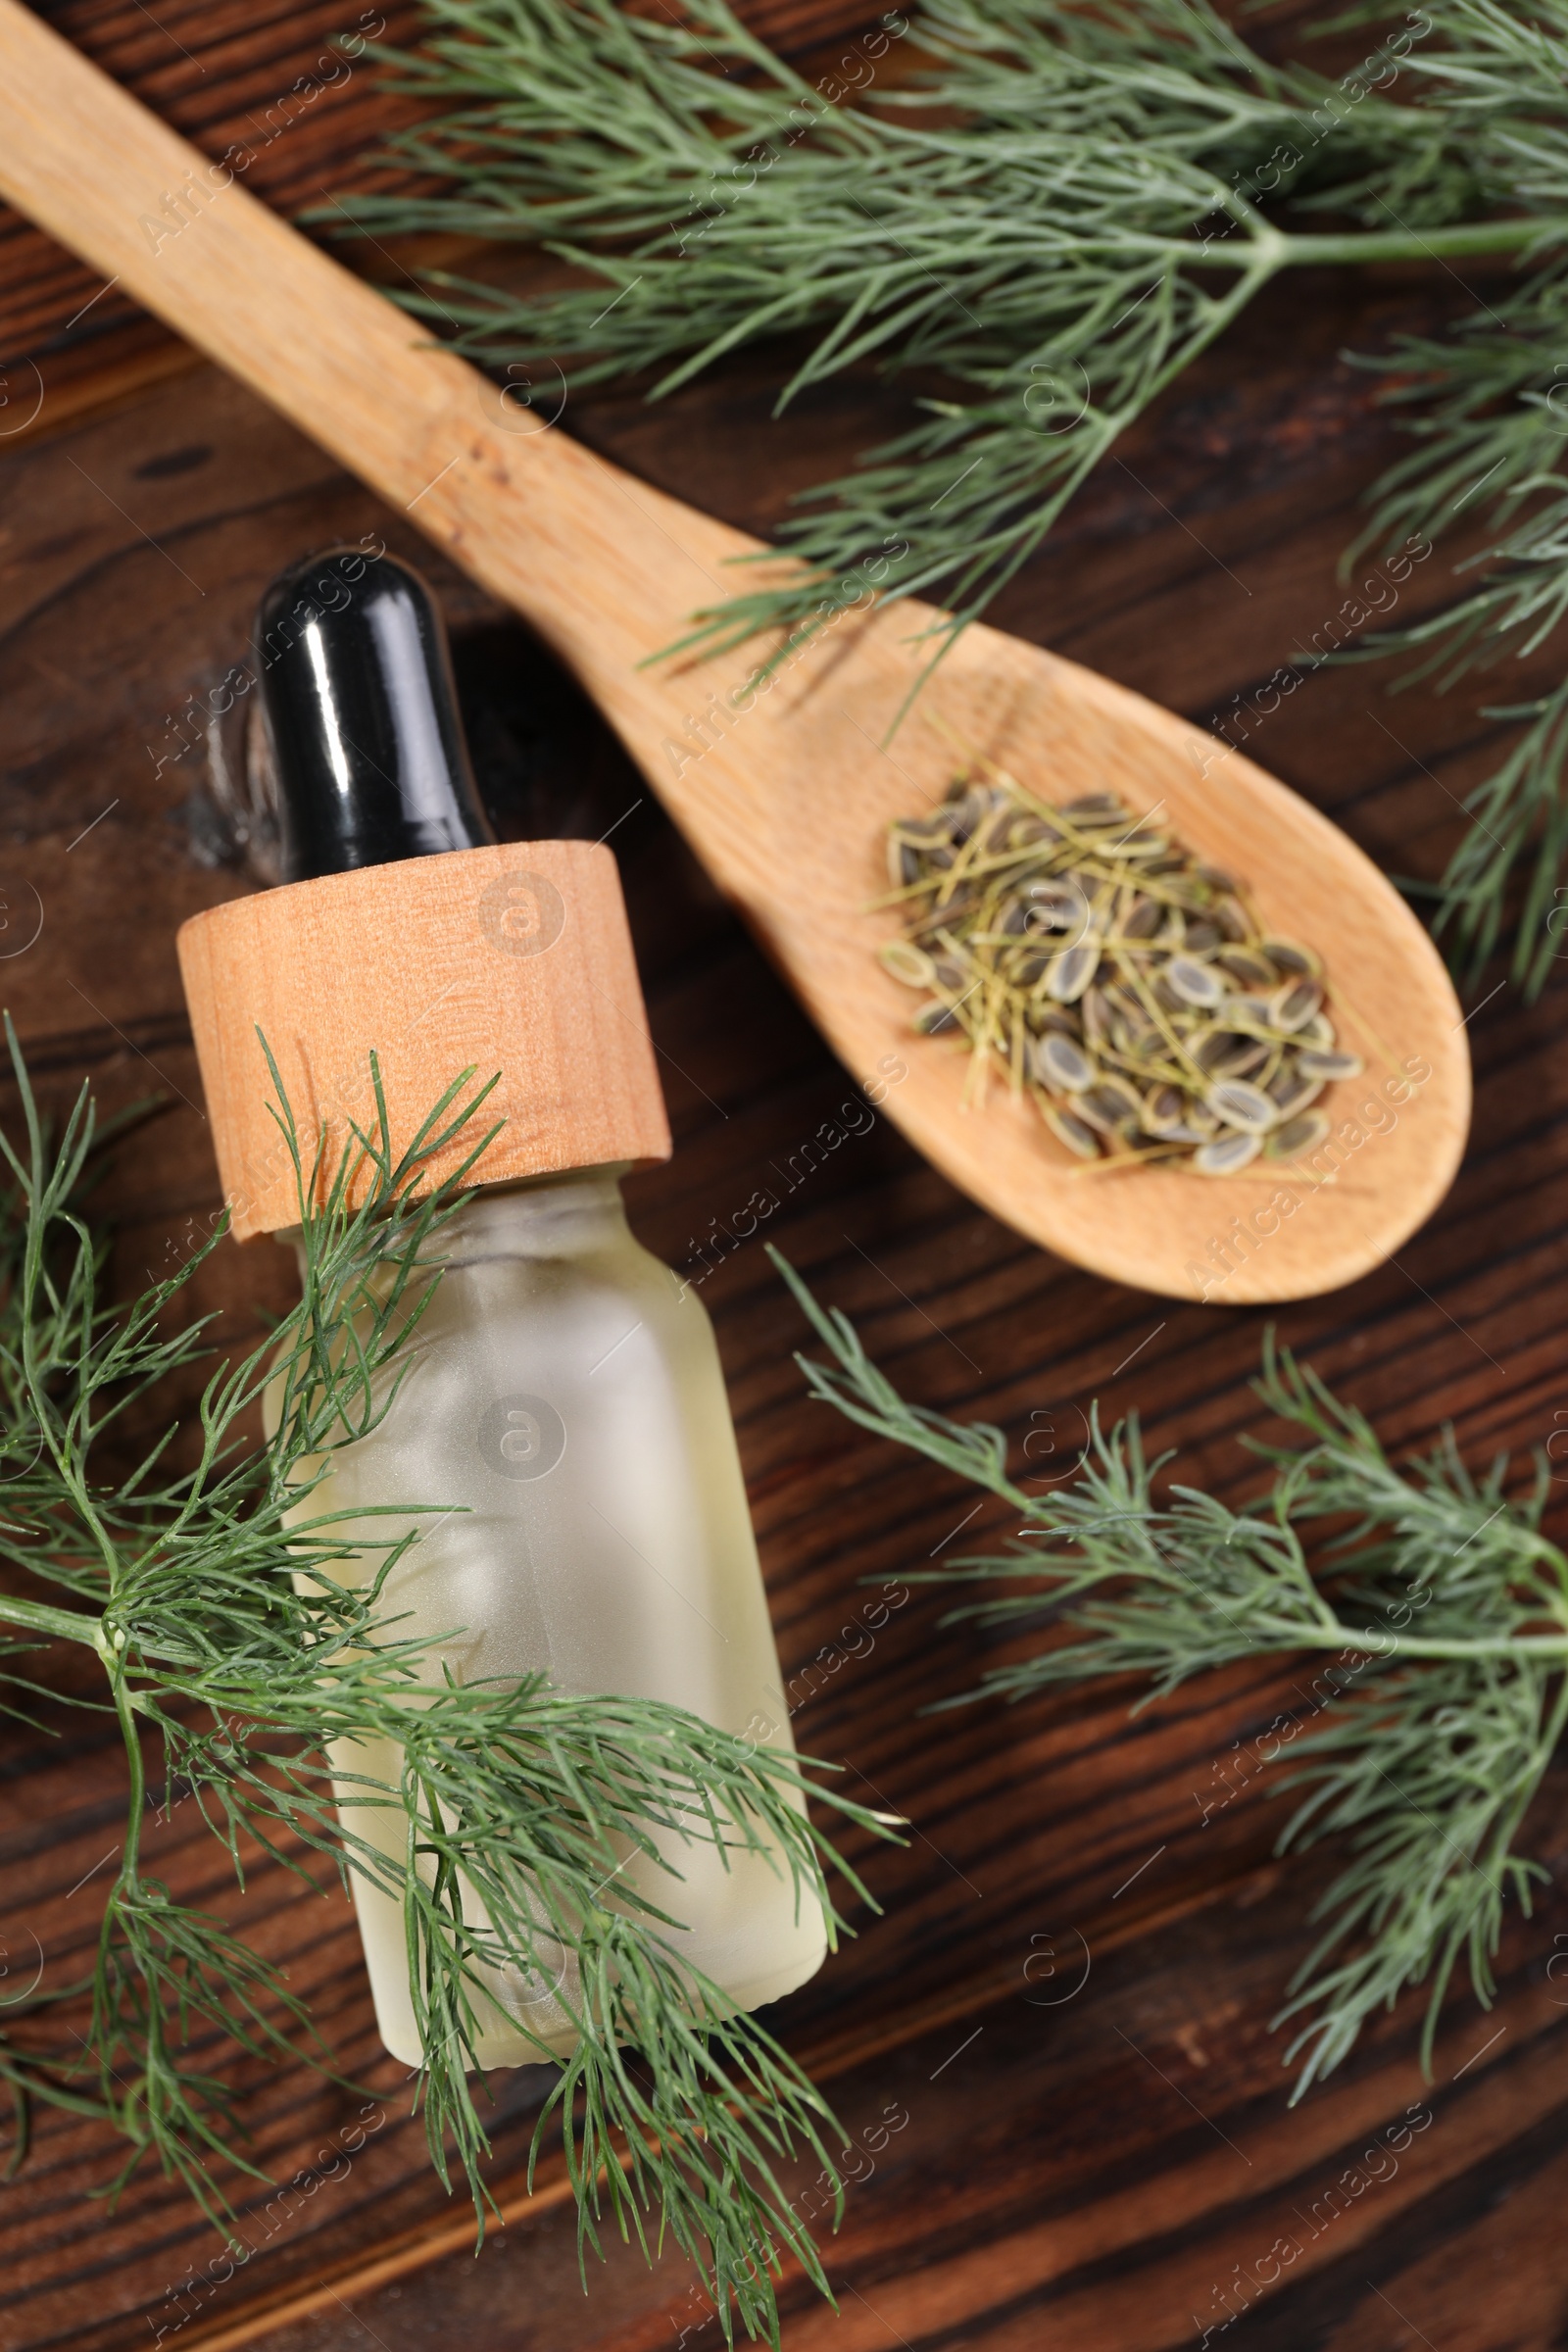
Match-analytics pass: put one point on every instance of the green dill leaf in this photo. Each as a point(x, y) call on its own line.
point(1430, 1611)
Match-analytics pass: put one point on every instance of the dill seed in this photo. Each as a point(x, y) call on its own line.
point(1226, 1155)
point(1238, 1104)
point(1059, 1065)
point(1121, 983)
point(1194, 983)
point(1296, 1005)
point(1295, 1136)
point(1325, 1065)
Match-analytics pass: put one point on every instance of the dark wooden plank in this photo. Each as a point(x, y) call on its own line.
point(1052, 2180)
point(1093, 2166)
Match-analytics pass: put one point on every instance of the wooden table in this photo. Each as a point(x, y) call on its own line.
point(1062, 2019)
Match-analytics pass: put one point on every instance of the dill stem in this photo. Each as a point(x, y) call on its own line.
point(1284, 1634)
point(135, 1766)
point(1468, 238)
point(62, 1625)
point(1263, 249)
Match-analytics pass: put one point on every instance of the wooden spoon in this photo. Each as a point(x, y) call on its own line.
point(784, 793)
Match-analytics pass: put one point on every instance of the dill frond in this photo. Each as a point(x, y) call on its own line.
point(1058, 214)
point(1489, 421)
point(1437, 1628)
point(1054, 217)
point(233, 1658)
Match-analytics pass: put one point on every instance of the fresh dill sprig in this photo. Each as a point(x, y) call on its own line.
point(235, 1655)
point(1060, 213)
point(1438, 1624)
point(1052, 219)
point(1490, 419)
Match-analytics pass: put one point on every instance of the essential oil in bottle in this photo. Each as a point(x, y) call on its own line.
point(562, 1399)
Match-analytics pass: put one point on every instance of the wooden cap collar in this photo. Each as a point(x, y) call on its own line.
point(515, 960)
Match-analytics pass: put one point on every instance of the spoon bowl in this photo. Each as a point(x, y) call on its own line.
point(1278, 1230)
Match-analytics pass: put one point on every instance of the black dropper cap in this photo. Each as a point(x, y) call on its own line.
point(361, 713)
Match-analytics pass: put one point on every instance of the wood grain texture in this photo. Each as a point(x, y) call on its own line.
point(1062, 2178)
point(513, 961)
point(784, 786)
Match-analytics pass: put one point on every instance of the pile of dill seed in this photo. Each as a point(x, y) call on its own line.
point(1112, 976)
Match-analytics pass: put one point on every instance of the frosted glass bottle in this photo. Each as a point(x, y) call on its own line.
point(564, 1401)
point(565, 1389)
